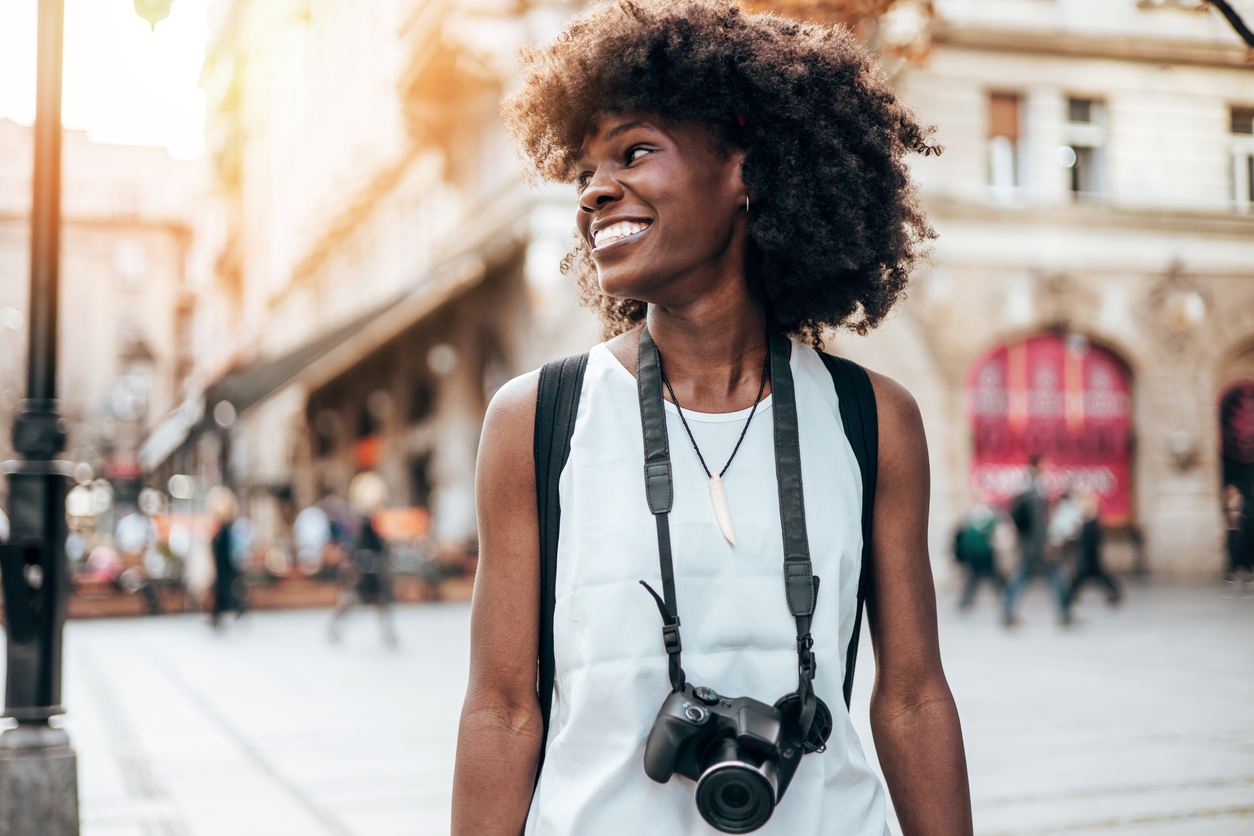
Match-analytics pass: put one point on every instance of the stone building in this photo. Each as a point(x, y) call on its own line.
point(1091, 298)
point(381, 268)
point(124, 353)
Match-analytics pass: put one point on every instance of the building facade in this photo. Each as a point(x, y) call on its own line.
point(1091, 298)
point(380, 268)
point(124, 353)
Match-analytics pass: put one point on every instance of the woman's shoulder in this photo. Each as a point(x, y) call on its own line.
point(510, 418)
point(902, 440)
point(896, 407)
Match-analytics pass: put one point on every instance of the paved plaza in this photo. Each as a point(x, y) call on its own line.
point(1139, 720)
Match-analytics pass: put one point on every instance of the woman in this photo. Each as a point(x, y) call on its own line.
point(737, 176)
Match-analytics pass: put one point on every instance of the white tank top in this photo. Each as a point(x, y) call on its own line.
point(739, 637)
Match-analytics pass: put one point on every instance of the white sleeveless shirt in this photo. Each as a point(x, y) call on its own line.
point(738, 635)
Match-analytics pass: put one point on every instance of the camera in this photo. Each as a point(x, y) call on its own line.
point(741, 752)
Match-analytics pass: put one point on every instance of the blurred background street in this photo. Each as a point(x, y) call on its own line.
point(297, 260)
point(1131, 721)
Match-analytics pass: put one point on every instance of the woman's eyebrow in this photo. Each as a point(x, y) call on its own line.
point(627, 126)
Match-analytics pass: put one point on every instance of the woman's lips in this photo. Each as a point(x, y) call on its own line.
point(615, 232)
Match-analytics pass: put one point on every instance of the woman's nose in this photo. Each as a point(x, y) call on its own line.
point(601, 189)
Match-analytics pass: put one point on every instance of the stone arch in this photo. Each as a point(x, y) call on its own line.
point(1041, 393)
point(1231, 334)
point(1131, 348)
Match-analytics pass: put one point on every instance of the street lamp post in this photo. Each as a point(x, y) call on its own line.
point(38, 768)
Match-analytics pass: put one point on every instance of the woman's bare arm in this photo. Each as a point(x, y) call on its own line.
point(499, 738)
point(913, 716)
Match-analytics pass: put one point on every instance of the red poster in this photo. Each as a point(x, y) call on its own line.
point(1236, 417)
point(1059, 398)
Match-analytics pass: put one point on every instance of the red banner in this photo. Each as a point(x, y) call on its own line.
point(1058, 398)
point(1236, 418)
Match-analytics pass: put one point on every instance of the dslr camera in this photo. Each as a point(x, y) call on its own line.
point(742, 753)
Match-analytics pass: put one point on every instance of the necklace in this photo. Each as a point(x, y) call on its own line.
point(718, 495)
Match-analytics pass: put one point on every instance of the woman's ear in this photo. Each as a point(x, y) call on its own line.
point(736, 161)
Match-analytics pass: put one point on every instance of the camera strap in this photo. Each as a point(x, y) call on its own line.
point(800, 584)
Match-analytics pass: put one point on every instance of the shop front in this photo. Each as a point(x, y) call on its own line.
point(1063, 401)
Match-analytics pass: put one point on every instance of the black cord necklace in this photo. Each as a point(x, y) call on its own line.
point(717, 494)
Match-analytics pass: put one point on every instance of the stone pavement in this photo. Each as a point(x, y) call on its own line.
point(1136, 721)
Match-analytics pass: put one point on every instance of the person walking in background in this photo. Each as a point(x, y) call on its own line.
point(1030, 512)
point(1240, 522)
point(1088, 553)
point(227, 595)
point(973, 547)
point(366, 578)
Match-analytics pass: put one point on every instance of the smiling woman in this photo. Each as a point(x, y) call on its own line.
point(741, 180)
point(835, 228)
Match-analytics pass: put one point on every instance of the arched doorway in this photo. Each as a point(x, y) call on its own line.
point(1236, 424)
point(1062, 399)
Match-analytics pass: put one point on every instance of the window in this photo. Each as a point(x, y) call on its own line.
point(1084, 153)
point(1003, 146)
point(1243, 120)
point(1080, 111)
point(1242, 129)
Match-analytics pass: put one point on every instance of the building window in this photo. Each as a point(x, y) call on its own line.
point(1242, 129)
point(1085, 151)
point(1003, 146)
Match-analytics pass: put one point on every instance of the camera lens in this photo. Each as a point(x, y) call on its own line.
point(735, 798)
point(734, 795)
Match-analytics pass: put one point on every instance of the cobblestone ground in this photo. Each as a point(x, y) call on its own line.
point(1138, 720)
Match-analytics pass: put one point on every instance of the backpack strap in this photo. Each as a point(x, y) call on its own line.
point(557, 404)
point(861, 420)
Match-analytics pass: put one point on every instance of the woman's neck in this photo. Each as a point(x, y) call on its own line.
point(713, 350)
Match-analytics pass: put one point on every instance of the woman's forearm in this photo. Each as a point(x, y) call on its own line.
point(919, 741)
point(497, 753)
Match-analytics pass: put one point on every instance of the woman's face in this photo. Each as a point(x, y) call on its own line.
point(661, 207)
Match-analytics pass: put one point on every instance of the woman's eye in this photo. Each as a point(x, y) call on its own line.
point(584, 179)
point(638, 152)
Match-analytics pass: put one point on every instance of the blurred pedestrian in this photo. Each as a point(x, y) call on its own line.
point(1088, 553)
point(1239, 517)
point(312, 534)
point(1030, 512)
point(366, 579)
point(973, 547)
point(227, 595)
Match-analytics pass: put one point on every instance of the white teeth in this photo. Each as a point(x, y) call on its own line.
point(614, 232)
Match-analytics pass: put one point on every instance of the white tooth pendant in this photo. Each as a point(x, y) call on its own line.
point(721, 512)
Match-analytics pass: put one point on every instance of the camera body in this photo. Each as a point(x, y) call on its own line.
point(741, 752)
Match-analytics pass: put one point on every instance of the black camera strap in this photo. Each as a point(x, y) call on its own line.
point(800, 584)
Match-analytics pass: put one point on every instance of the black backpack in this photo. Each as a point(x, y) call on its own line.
point(557, 403)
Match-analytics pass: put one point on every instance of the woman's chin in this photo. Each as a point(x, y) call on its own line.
point(620, 284)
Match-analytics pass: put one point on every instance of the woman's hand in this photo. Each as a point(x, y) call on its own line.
point(499, 738)
point(913, 716)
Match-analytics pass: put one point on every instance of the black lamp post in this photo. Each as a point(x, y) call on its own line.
point(38, 768)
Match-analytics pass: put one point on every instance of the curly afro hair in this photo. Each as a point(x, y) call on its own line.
point(837, 226)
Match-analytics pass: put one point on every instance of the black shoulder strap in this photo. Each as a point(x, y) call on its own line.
point(861, 420)
point(557, 403)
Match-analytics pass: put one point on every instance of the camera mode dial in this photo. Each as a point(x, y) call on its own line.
point(707, 695)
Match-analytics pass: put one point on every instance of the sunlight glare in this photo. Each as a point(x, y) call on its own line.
point(124, 83)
